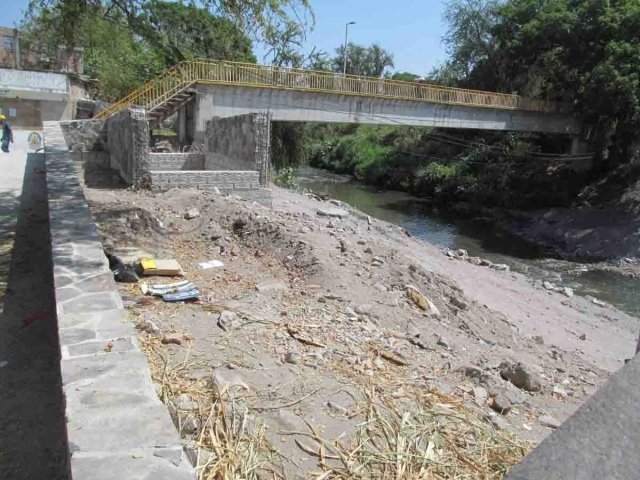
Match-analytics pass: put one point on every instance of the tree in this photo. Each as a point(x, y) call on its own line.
point(369, 61)
point(255, 17)
point(469, 39)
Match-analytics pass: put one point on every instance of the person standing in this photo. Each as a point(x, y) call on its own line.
point(7, 134)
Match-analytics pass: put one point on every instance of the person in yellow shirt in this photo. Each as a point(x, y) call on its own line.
point(7, 134)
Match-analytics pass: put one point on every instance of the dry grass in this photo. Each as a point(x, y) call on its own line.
point(423, 436)
point(437, 438)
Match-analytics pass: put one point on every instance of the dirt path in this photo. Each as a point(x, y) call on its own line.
point(33, 441)
point(320, 309)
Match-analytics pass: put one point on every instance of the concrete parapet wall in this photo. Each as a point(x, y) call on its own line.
point(175, 161)
point(116, 425)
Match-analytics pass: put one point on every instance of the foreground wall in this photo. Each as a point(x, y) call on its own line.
point(287, 105)
point(117, 427)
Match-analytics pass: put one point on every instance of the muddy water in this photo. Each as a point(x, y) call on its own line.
point(424, 222)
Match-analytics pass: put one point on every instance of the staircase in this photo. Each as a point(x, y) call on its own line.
point(170, 106)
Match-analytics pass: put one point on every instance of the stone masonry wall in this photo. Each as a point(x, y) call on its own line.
point(205, 180)
point(127, 143)
point(238, 143)
point(84, 135)
point(175, 161)
point(116, 425)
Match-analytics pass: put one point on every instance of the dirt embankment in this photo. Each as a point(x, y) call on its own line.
point(321, 317)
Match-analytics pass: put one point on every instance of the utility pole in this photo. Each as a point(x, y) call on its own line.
point(346, 37)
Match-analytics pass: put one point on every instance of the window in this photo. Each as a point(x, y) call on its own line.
point(12, 112)
point(8, 43)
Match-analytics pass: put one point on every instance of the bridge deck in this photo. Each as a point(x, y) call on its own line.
point(174, 80)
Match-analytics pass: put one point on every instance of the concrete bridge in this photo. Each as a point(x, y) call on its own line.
point(228, 89)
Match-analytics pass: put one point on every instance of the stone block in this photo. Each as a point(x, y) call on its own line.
point(143, 464)
point(91, 302)
point(103, 347)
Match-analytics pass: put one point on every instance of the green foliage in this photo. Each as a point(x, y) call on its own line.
point(371, 61)
point(287, 177)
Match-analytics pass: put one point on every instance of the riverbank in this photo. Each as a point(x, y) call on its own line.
point(324, 303)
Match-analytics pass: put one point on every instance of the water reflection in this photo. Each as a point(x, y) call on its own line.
point(423, 221)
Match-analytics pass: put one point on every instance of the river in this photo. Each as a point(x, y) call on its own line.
point(423, 221)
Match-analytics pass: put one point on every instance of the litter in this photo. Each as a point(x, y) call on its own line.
point(178, 287)
point(182, 296)
point(121, 271)
point(169, 268)
point(209, 264)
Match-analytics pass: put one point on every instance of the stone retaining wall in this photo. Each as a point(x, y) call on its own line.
point(116, 425)
point(175, 161)
point(84, 135)
point(205, 180)
point(127, 143)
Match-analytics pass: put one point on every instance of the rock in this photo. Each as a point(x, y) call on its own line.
point(190, 426)
point(149, 327)
point(378, 363)
point(501, 404)
point(558, 390)
point(368, 250)
point(292, 357)
point(364, 309)
point(185, 402)
point(456, 302)
point(548, 286)
point(331, 224)
point(498, 422)
point(494, 385)
point(192, 213)
point(413, 268)
point(337, 408)
point(443, 342)
point(198, 456)
point(344, 246)
point(362, 242)
point(228, 321)
point(450, 254)
point(397, 394)
point(480, 394)
point(583, 336)
point(271, 286)
point(333, 212)
point(216, 191)
point(381, 288)
point(228, 379)
point(522, 376)
point(235, 251)
point(567, 292)
point(172, 339)
point(440, 387)
point(485, 263)
point(500, 267)
point(548, 421)
point(421, 301)
point(461, 252)
point(539, 339)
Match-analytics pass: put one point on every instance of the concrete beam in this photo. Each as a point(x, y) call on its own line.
point(295, 106)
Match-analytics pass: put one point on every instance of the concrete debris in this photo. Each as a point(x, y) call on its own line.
point(192, 213)
point(522, 376)
point(172, 339)
point(333, 213)
point(443, 342)
point(539, 339)
point(548, 421)
point(228, 321)
point(568, 292)
point(292, 357)
point(549, 286)
point(501, 267)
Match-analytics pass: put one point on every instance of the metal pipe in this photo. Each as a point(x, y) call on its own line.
point(346, 36)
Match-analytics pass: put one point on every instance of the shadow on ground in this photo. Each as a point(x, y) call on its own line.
point(33, 439)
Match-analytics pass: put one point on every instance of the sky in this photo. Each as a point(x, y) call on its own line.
point(410, 29)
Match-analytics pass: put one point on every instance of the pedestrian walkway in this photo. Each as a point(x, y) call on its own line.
point(33, 441)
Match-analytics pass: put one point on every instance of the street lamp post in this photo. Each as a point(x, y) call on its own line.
point(346, 35)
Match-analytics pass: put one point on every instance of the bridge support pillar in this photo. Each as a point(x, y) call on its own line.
point(579, 146)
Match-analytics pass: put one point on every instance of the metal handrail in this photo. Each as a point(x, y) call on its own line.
point(186, 73)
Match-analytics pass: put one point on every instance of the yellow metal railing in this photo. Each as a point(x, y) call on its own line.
point(187, 73)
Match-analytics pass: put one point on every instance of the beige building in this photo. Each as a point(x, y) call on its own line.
point(14, 54)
